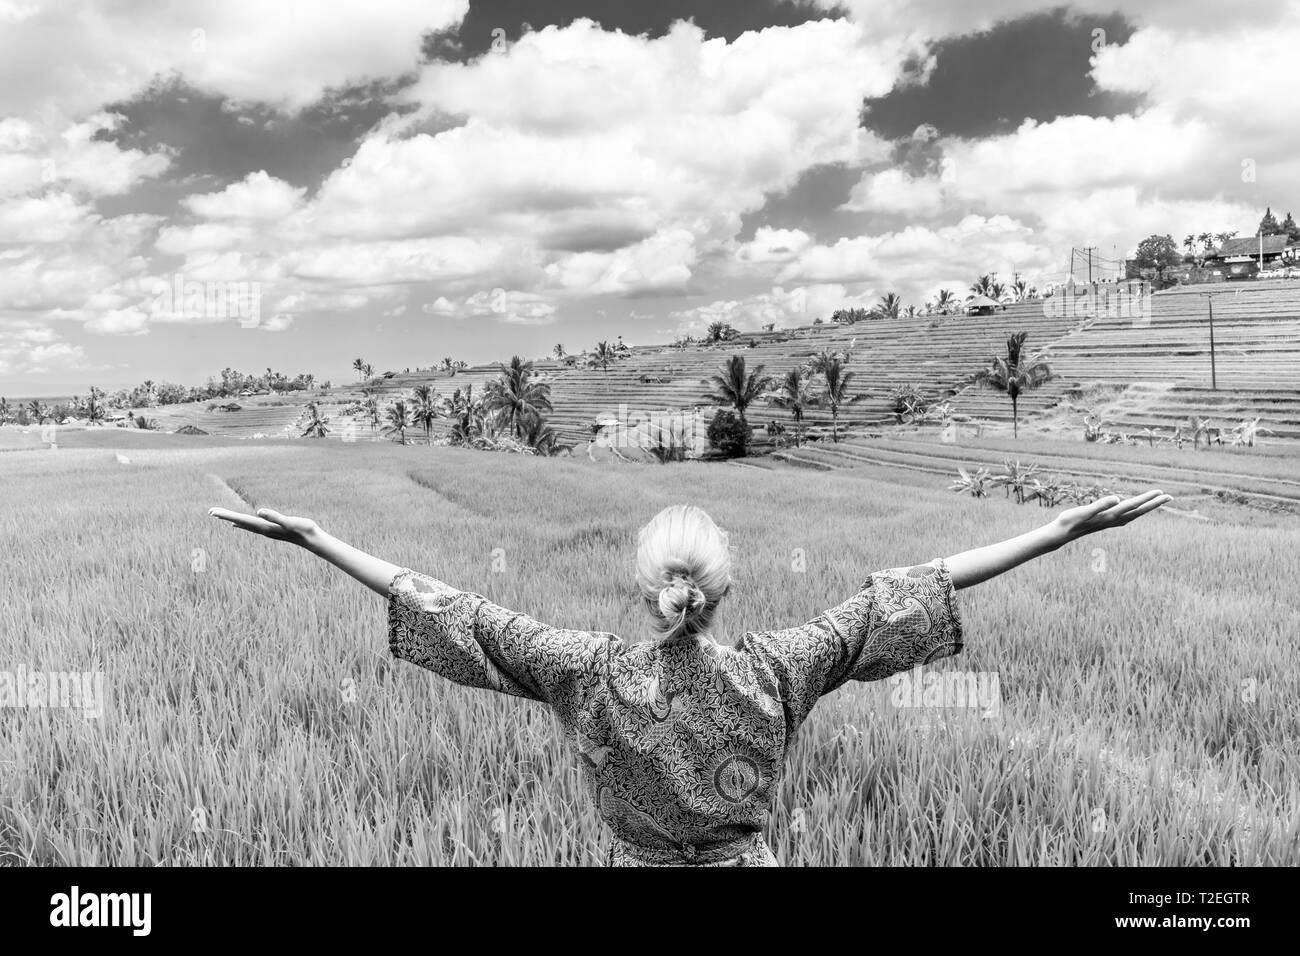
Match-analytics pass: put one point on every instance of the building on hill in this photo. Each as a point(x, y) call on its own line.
point(1244, 256)
point(982, 305)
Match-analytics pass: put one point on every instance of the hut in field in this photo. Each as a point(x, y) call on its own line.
point(189, 430)
point(982, 305)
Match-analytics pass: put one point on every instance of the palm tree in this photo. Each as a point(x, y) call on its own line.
point(372, 410)
point(817, 363)
point(317, 424)
point(466, 413)
point(718, 332)
point(559, 351)
point(424, 409)
point(794, 395)
point(984, 285)
point(1019, 290)
point(1189, 243)
point(889, 306)
point(539, 436)
point(368, 371)
point(359, 365)
point(398, 420)
point(514, 398)
point(1015, 374)
point(733, 387)
point(602, 356)
point(4, 410)
point(945, 301)
point(36, 412)
point(1206, 240)
point(835, 393)
point(93, 410)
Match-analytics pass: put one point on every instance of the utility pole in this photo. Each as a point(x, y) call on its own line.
point(1089, 250)
point(1214, 378)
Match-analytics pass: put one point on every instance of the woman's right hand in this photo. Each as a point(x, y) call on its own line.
point(303, 532)
point(1109, 512)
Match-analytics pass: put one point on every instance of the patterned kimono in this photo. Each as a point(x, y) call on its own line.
point(680, 743)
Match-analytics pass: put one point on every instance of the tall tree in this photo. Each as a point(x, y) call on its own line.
point(835, 391)
point(736, 388)
point(1290, 228)
point(466, 414)
point(1015, 374)
point(889, 306)
point(602, 355)
point(514, 396)
point(1158, 253)
point(1268, 225)
point(424, 409)
point(397, 419)
point(795, 396)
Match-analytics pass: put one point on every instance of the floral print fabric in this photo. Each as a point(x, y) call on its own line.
point(680, 743)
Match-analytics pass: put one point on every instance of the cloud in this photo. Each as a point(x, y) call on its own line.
point(773, 245)
point(288, 53)
point(30, 349)
point(916, 260)
point(34, 158)
point(780, 307)
point(257, 197)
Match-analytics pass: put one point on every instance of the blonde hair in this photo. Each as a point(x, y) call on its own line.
point(683, 569)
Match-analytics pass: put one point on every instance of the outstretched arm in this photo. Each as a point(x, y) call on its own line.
point(980, 564)
point(457, 634)
point(375, 573)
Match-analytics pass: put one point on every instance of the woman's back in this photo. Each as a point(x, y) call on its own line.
point(680, 741)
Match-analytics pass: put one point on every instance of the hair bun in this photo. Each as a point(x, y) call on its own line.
point(680, 597)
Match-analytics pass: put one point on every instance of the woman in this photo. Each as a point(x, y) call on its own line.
point(681, 739)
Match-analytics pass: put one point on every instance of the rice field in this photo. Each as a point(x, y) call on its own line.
point(1149, 680)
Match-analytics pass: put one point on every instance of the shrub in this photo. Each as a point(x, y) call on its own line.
point(728, 434)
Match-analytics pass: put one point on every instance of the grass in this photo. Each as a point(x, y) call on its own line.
point(1150, 688)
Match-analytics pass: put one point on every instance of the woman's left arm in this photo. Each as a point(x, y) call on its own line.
point(980, 564)
point(375, 573)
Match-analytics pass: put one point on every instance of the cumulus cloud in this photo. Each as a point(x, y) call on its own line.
point(288, 53)
point(798, 305)
point(257, 197)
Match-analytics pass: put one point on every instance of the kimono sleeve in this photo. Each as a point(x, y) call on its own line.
point(467, 639)
point(901, 617)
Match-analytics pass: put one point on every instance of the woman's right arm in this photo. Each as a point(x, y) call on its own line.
point(979, 564)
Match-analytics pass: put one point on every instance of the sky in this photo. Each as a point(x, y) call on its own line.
point(404, 181)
